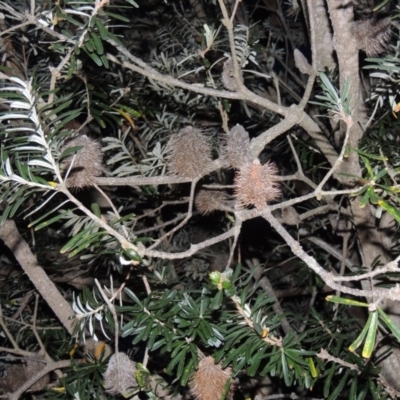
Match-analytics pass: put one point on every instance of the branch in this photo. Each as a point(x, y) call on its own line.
point(328, 277)
point(36, 274)
point(46, 370)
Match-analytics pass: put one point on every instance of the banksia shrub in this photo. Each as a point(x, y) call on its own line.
point(372, 36)
point(255, 184)
point(86, 163)
point(210, 381)
point(207, 201)
point(120, 379)
point(228, 79)
point(237, 147)
point(189, 153)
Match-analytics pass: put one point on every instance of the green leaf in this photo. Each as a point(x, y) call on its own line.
point(67, 17)
point(17, 204)
point(313, 369)
point(70, 150)
point(369, 155)
point(364, 199)
point(89, 241)
point(389, 323)
point(340, 386)
point(347, 302)
point(187, 372)
point(132, 2)
point(71, 243)
point(216, 302)
point(381, 174)
point(373, 197)
point(102, 29)
point(96, 210)
point(98, 45)
point(118, 16)
point(368, 166)
point(354, 346)
point(328, 380)
point(133, 297)
point(94, 57)
point(180, 355)
point(371, 336)
point(285, 370)
point(104, 60)
point(393, 211)
point(47, 223)
point(89, 45)
point(64, 104)
point(72, 66)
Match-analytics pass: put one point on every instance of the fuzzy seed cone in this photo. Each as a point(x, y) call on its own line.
point(228, 79)
point(87, 162)
point(256, 184)
point(301, 62)
point(16, 375)
point(372, 36)
point(208, 382)
point(115, 384)
point(189, 153)
point(237, 147)
point(207, 201)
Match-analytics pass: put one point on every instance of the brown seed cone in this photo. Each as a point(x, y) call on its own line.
point(86, 163)
point(207, 201)
point(256, 184)
point(18, 374)
point(209, 381)
point(120, 384)
point(237, 147)
point(301, 62)
point(372, 36)
point(189, 153)
point(228, 79)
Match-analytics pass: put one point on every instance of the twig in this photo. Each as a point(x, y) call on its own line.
point(324, 355)
point(181, 224)
point(268, 339)
point(6, 331)
point(327, 277)
point(46, 370)
point(335, 165)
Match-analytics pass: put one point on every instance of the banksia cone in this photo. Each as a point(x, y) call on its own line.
point(372, 36)
point(210, 380)
point(120, 383)
point(237, 147)
point(301, 62)
point(228, 78)
point(207, 201)
point(189, 153)
point(86, 163)
point(256, 184)
point(18, 374)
